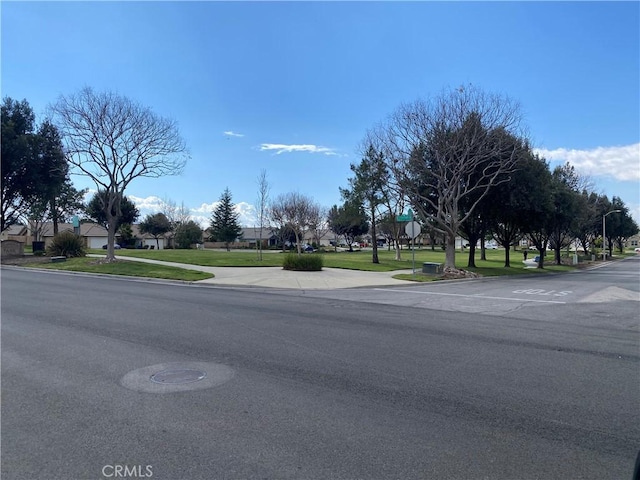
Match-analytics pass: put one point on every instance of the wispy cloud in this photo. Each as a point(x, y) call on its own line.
point(229, 133)
point(620, 162)
point(281, 148)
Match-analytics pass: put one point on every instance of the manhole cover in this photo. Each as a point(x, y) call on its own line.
point(178, 376)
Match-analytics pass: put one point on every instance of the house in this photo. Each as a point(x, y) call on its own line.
point(252, 235)
point(633, 241)
point(147, 241)
point(95, 236)
point(18, 233)
point(325, 239)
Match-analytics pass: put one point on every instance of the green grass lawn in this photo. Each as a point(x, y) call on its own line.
point(494, 265)
point(134, 269)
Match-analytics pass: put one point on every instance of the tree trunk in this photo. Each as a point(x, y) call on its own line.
point(473, 240)
point(541, 262)
point(54, 215)
point(483, 248)
point(585, 245)
point(471, 263)
point(507, 259)
point(111, 238)
point(450, 252)
point(298, 246)
point(374, 257)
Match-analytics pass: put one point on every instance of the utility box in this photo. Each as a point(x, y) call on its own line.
point(432, 268)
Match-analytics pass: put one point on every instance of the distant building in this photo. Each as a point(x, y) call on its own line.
point(18, 233)
point(252, 235)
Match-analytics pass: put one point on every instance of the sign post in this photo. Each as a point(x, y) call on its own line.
point(412, 229)
point(76, 225)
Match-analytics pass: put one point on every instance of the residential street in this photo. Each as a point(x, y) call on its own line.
point(504, 378)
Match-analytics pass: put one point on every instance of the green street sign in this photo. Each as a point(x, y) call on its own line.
point(405, 218)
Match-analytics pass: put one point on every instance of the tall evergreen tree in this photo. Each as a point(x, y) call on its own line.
point(34, 168)
point(225, 226)
point(368, 188)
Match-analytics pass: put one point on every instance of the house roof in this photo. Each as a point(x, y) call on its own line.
point(135, 229)
point(86, 229)
point(89, 229)
point(16, 229)
point(252, 233)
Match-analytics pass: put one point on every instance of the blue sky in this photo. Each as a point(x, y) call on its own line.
point(295, 86)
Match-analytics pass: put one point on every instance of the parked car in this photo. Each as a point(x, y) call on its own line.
point(307, 248)
point(116, 246)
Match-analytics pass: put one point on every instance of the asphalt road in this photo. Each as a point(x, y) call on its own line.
point(367, 383)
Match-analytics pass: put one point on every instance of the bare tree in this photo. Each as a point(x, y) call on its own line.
point(318, 224)
point(263, 203)
point(295, 211)
point(114, 140)
point(453, 148)
point(178, 215)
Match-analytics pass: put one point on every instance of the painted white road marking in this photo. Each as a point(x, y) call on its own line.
point(469, 296)
point(538, 291)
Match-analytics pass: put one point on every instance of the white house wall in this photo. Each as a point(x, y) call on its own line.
point(152, 243)
point(97, 242)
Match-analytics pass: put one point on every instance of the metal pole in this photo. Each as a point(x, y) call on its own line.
point(604, 238)
point(413, 249)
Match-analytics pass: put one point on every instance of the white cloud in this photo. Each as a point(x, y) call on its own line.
point(621, 162)
point(246, 213)
point(89, 195)
point(281, 148)
point(229, 133)
point(151, 204)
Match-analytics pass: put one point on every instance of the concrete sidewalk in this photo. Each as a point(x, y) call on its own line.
point(276, 277)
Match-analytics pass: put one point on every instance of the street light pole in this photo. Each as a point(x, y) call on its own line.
point(604, 233)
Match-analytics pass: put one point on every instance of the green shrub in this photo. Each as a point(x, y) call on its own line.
point(66, 244)
point(308, 262)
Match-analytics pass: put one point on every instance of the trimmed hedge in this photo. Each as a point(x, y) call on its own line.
point(306, 263)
